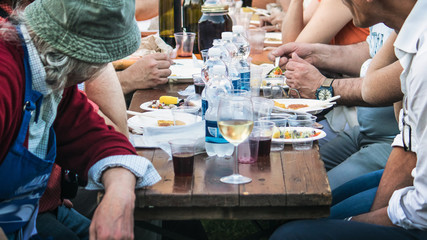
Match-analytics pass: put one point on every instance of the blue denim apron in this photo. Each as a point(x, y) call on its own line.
point(24, 176)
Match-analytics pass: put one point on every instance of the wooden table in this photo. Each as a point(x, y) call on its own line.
point(289, 185)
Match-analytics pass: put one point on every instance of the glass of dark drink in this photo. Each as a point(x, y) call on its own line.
point(182, 156)
point(258, 144)
point(199, 84)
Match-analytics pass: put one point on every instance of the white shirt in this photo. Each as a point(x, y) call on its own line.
point(408, 206)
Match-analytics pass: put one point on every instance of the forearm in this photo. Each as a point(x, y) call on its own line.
point(146, 9)
point(127, 82)
point(118, 179)
point(106, 92)
point(397, 175)
point(341, 59)
point(378, 217)
point(293, 23)
point(329, 18)
point(382, 87)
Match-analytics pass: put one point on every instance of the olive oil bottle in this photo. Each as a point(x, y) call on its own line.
point(192, 11)
point(169, 20)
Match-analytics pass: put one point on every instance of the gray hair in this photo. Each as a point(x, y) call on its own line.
point(60, 68)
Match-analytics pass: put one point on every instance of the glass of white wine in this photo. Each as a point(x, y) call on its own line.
point(235, 122)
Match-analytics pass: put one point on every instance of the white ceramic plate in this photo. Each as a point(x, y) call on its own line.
point(282, 140)
point(149, 119)
point(183, 69)
point(314, 106)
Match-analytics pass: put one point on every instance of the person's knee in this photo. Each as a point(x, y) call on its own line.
point(294, 230)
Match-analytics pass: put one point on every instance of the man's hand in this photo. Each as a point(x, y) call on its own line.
point(149, 71)
point(303, 76)
point(113, 219)
point(303, 50)
point(272, 23)
point(378, 217)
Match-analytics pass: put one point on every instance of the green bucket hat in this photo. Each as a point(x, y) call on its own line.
point(95, 31)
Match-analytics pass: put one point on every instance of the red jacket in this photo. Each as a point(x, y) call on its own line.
point(81, 134)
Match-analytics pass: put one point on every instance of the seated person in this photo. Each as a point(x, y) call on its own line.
point(326, 21)
point(363, 148)
point(398, 210)
point(57, 64)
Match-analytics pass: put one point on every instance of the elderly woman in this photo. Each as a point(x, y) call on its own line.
point(44, 52)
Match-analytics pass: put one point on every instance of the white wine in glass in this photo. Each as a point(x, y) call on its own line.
point(235, 122)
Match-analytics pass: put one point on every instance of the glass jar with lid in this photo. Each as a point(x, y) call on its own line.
point(214, 21)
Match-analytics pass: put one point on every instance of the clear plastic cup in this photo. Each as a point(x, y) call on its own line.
point(299, 128)
point(182, 156)
point(185, 43)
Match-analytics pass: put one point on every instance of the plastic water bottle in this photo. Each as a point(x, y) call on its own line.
point(225, 55)
point(214, 59)
point(227, 40)
point(240, 40)
point(240, 62)
point(241, 66)
point(218, 85)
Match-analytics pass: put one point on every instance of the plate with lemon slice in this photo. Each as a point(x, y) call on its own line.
point(301, 134)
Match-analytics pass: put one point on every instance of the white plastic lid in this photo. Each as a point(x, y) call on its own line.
point(227, 35)
point(218, 70)
point(238, 29)
point(214, 52)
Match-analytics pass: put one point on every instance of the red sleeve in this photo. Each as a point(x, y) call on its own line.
point(82, 136)
point(12, 88)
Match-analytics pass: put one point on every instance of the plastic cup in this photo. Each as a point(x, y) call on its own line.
point(256, 77)
point(272, 86)
point(182, 156)
point(258, 144)
point(185, 43)
point(256, 39)
point(279, 121)
point(262, 107)
point(185, 115)
point(298, 125)
point(204, 54)
point(199, 84)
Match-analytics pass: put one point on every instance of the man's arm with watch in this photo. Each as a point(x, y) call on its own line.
point(346, 59)
point(308, 80)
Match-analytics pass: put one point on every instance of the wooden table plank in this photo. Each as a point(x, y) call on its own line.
point(232, 213)
point(207, 189)
point(267, 178)
point(305, 179)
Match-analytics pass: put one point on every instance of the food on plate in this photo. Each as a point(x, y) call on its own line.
point(286, 133)
point(294, 106)
point(276, 71)
point(273, 40)
point(168, 100)
point(167, 123)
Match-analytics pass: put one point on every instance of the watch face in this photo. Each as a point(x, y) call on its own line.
point(324, 94)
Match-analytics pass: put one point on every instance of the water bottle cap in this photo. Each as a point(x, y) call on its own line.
point(227, 35)
point(214, 52)
point(238, 29)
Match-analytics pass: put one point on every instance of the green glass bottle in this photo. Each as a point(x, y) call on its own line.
point(169, 20)
point(192, 11)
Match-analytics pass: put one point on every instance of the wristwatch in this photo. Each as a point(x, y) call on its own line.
point(325, 91)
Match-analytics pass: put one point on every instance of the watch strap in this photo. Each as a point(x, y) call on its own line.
point(328, 82)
